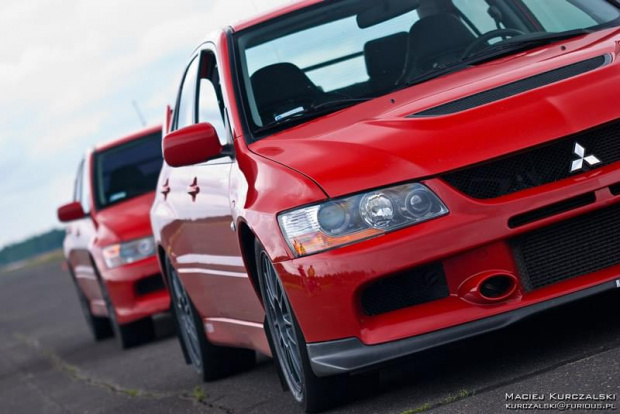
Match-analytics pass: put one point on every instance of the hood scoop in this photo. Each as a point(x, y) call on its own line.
point(516, 88)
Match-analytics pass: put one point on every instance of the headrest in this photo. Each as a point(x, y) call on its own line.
point(281, 82)
point(439, 32)
point(126, 178)
point(386, 56)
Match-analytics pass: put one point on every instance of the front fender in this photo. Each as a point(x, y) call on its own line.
point(261, 188)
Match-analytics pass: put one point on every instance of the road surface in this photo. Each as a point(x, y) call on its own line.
point(50, 364)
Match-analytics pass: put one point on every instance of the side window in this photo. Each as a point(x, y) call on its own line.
point(186, 105)
point(85, 188)
point(210, 102)
point(77, 187)
point(477, 12)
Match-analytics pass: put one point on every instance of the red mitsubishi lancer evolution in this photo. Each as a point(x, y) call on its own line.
point(349, 182)
point(109, 245)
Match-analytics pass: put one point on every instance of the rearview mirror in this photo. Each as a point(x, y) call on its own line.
point(71, 212)
point(192, 145)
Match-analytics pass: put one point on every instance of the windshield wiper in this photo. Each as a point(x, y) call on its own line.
point(312, 111)
point(527, 41)
point(434, 73)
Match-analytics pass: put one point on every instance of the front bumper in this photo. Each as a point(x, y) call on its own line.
point(325, 289)
point(351, 355)
point(136, 290)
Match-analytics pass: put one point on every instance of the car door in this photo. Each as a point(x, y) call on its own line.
point(208, 256)
point(80, 234)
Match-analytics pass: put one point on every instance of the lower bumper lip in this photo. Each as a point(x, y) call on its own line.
point(351, 355)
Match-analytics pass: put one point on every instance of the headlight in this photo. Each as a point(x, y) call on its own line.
point(347, 220)
point(120, 254)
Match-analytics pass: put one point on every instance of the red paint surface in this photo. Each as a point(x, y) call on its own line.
point(191, 145)
point(369, 146)
point(87, 237)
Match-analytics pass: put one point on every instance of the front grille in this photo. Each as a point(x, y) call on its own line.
point(149, 284)
point(551, 210)
point(516, 88)
point(414, 287)
point(538, 166)
point(569, 249)
point(615, 189)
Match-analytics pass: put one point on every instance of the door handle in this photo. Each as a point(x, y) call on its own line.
point(165, 189)
point(194, 189)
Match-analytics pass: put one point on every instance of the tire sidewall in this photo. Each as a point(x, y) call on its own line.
point(172, 276)
point(301, 399)
point(318, 394)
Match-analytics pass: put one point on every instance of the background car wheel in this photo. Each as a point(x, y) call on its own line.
point(130, 334)
point(288, 345)
point(210, 361)
point(100, 327)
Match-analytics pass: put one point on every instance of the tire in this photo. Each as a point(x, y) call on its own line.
point(288, 345)
point(211, 362)
point(131, 334)
point(99, 326)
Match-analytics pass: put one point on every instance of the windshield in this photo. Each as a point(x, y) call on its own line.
point(127, 171)
point(345, 51)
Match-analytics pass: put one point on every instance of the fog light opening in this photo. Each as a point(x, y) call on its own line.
point(497, 287)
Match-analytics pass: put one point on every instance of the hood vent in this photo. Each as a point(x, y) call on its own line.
point(516, 88)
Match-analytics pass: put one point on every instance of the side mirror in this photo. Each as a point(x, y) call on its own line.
point(71, 212)
point(168, 119)
point(192, 145)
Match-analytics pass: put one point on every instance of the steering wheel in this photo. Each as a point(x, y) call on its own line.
point(484, 39)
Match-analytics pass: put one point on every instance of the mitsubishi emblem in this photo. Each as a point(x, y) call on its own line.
point(580, 151)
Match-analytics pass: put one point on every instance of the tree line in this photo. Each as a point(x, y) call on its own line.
point(32, 247)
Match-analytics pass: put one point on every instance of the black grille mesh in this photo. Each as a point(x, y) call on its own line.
point(149, 284)
point(516, 88)
point(421, 285)
point(538, 166)
point(572, 248)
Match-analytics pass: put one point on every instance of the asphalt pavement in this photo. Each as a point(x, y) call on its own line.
point(49, 363)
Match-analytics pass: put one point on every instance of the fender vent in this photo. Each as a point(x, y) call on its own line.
point(516, 88)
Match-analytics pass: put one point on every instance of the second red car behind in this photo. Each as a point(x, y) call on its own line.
point(109, 245)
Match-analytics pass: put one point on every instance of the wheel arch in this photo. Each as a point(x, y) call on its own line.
point(247, 240)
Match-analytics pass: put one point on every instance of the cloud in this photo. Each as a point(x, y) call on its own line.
point(69, 71)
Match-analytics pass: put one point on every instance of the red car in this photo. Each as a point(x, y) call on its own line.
point(351, 182)
point(109, 244)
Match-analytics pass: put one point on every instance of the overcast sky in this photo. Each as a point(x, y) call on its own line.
point(69, 71)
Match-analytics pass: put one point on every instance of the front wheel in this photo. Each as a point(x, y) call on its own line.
point(99, 327)
point(288, 345)
point(210, 361)
point(130, 334)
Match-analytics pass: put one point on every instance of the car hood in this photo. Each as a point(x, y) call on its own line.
point(125, 221)
point(375, 143)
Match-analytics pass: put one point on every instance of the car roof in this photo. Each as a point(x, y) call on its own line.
point(127, 138)
point(280, 11)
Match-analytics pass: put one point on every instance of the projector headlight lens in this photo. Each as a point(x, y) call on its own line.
point(347, 220)
point(377, 210)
